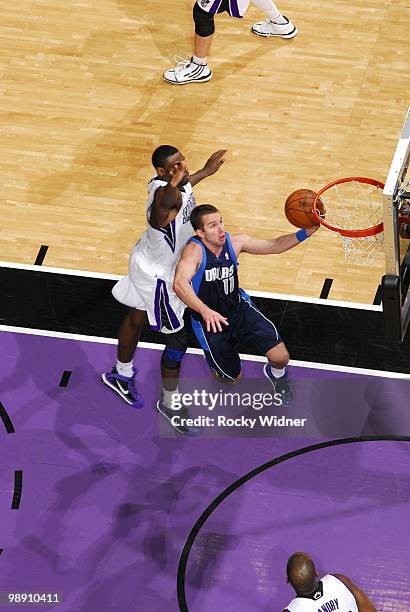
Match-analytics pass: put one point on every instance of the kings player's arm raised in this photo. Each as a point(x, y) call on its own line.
point(168, 199)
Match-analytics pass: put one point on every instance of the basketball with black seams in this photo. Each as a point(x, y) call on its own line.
point(299, 208)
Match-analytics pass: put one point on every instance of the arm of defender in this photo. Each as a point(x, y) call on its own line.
point(212, 165)
point(185, 271)
point(363, 602)
point(246, 244)
point(167, 199)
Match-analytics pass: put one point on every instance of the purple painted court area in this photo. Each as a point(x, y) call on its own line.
point(109, 497)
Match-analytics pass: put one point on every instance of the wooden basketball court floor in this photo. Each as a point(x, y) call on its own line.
point(83, 106)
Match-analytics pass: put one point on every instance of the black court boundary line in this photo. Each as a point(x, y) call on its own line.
point(6, 420)
point(18, 489)
point(65, 378)
point(41, 255)
point(327, 285)
point(183, 560)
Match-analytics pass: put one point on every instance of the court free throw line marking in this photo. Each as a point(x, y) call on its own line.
point(194, 351)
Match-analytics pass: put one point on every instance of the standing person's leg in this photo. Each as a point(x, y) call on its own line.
point(169, 405)
point(176, 345)
point(276, 25)
point(121, 377)
point(275, 371)
point(195, 70)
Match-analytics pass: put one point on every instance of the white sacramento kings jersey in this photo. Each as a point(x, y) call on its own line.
point(159, 250)
point(237, 8)
point(332, 595)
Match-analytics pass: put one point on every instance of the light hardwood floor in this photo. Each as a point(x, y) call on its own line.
point(83, 106)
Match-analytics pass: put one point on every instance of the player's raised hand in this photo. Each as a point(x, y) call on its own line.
point(215, 162)
point(213, 320)
point(177, 173)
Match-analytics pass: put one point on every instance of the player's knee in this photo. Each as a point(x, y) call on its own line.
point(279, 356)
point(171, 358)
point(204, 22)
point(175, 350)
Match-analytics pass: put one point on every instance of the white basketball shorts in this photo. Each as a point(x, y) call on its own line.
point(154, 295)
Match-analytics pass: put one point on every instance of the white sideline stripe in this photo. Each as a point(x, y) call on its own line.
point(262, 294)
point(312, 300)
point(194, 351)
point(7, 264)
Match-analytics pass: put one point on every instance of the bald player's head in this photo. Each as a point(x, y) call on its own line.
point(302, 573)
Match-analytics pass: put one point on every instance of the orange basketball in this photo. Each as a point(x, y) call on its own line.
point(299, 208)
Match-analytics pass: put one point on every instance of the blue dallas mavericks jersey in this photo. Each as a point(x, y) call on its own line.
point(216, 280)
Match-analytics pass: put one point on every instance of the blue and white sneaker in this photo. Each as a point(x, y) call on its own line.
point(124, 386)
point(186, 71)
point(281, 385)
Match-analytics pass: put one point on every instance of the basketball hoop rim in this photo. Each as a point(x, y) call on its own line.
point(360, 233)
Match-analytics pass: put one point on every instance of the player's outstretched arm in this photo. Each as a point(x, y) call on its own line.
point(246, 244)
point(168, 199)
point(185, 271)
point(212, 165)
point(363, 602)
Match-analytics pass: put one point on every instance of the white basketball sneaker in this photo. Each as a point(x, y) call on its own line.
point(269, 28)
point(186, 71)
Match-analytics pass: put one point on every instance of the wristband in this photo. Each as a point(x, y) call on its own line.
point(301, 235)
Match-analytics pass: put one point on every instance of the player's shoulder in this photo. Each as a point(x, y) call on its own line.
point(332, 577)
point(238, 241)
point(341, 578)
point(193, 247)
point(155, 183)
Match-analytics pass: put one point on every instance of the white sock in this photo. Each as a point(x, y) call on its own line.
point(281, 20)
point(169, 400)
point(277, 373)
point(125, 369)
point(271, 10)
point(202, 61)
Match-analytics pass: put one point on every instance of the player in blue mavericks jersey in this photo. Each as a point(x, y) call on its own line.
point(223, 315)
point(147, 288)
point(333, 593)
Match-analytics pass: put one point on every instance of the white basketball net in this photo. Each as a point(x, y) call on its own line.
point(352, 206)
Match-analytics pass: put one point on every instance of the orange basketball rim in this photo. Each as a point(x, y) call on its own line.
point(360, 232)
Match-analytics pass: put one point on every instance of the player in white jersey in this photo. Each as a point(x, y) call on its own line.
point(147, 288)
point(196, 70)
point(332, 593)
